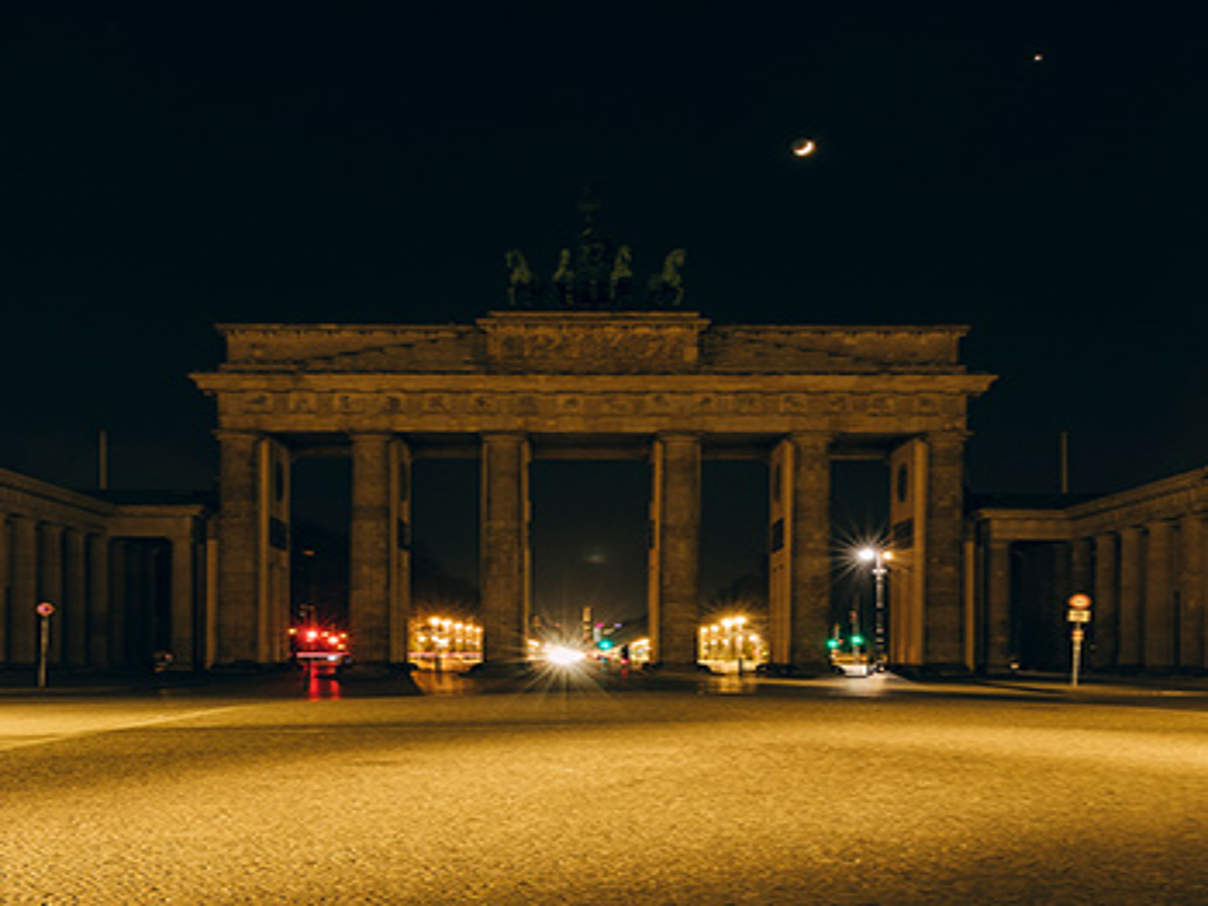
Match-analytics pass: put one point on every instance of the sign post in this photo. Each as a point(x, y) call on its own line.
point(45, 609)
point(1079, 613)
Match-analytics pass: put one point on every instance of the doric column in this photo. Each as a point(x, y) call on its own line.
point(238, 616)
point(50, 583)
point(75, 599)
point(399, 520)
point(1191, 592)
point(23, 619)
point(677, 523)
point(184, 611)
point(998, 605)
point(98, 600)
point(5, 581)
point(369, 563)
point(502, 548)
point(1158, 612)
point(810, 551)
point(943, 629)
point(119, 603)
point(1104, 612)
point(1128, 643)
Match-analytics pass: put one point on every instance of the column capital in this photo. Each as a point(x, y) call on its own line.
point(814, 439)
point(948, 437)
point(685, 436)
point(504, 437)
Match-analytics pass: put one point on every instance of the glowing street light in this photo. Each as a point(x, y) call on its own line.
point(878, 557)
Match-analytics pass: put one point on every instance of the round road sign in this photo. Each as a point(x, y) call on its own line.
point(45, 608)
point(1080, 601)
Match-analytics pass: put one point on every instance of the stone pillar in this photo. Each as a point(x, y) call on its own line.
point(119, 604)
point(1128, 643)
point(24, 620)
point(98, 600)
point(1191, 592)
point(678, 525)
point(998, 605)
point(1080, 567)
point(50, 583)
point(238, 548)
point(1104, 612)
point(1158, 612)
point(75, 600)
point(502, 547)
point(943, 629)
point(809, 579)
point(399, 521)
point(5, 582)
point(183, 608)
point(369, 554)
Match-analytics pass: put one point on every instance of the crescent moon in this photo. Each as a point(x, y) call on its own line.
point(803, 147)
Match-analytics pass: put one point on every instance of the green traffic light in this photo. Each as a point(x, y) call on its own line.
point(832, 643)
point(604, 644)
point(857, 640)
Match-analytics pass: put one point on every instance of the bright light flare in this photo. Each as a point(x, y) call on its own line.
point(866, 554)
point(563, 656)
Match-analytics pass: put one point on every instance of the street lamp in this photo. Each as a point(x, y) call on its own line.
point(878, 557)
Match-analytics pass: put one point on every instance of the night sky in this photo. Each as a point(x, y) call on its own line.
point(164, 170)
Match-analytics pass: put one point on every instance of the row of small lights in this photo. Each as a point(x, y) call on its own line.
point(728, 624)
point(466, 631)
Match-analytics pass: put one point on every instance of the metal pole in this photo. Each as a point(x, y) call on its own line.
point(43, 641)
point(1077, 659)
point(878, 573)
point(103, 460)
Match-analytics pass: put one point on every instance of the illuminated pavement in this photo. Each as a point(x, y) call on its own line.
point(876, 791)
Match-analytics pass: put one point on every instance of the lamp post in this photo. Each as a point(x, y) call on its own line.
point(878, 557)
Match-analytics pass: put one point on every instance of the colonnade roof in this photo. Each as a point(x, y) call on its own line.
point(1057, 517)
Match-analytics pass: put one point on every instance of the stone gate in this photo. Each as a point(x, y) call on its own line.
point(665, 385)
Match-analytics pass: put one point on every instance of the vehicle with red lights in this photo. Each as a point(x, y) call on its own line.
point(319, 645)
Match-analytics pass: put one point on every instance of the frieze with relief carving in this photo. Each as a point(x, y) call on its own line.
point(473, 410)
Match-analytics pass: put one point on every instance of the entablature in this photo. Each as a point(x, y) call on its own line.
point(902, 404)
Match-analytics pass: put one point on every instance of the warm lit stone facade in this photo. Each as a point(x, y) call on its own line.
point(666, 386)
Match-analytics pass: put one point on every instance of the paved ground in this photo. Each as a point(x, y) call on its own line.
point(857, 791)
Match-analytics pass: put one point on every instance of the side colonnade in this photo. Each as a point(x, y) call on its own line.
point(124, 579)
point(1140, 554)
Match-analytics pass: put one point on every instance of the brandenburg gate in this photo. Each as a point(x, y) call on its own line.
point(579, 370)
